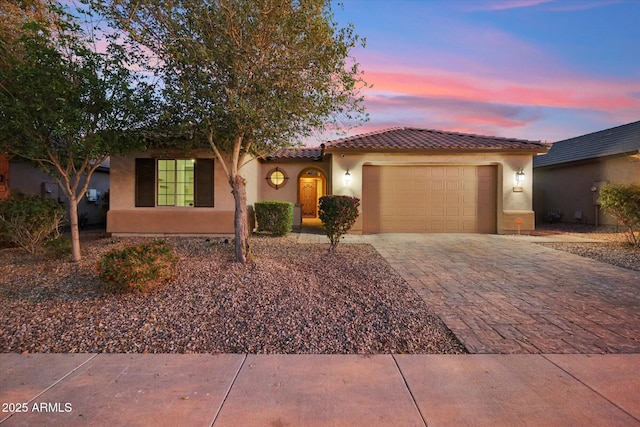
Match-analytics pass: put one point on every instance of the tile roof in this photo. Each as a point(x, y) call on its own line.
point(608, 142)
point(298, 153)
point(404, 138)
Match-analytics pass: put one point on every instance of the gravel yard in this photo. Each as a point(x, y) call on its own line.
point(294, 299)
point(613, 248)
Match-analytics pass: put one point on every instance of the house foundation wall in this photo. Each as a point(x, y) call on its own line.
point(170, 221)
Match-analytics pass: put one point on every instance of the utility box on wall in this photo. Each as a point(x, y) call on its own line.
point(50, 190)
point(595, 190)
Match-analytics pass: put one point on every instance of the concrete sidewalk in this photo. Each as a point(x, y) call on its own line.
point(319, 390)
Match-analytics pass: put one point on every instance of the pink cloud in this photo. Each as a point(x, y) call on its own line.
point(508, 4)
point(581, 5)
point(550, 91)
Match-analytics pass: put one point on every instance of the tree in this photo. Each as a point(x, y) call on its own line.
point(248, 76)
point(63, 104)
point(623, 203)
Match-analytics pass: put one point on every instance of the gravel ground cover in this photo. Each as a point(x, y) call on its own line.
point(295, 298)
point(612, 248)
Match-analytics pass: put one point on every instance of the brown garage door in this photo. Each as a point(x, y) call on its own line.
point(429, 199)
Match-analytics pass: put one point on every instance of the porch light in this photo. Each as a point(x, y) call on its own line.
point(519, 177)
point(347, 178)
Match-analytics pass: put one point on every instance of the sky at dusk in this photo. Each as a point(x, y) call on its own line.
point(532, 69)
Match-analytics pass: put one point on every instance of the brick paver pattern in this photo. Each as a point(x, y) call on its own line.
point(504, 294)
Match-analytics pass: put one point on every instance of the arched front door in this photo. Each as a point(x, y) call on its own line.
point(311, 186)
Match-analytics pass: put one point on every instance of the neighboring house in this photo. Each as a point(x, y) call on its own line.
point(4, 176)
point(408, 180)
point(24, 177)
point(567, 179)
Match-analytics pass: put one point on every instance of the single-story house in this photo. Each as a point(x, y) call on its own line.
point(567, 180)
point(408, 180)
point(25, 177)
point(4, 176)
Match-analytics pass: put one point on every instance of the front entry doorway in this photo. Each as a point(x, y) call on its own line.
point(311, 186)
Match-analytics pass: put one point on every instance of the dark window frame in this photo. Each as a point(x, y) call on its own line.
point(146, 182)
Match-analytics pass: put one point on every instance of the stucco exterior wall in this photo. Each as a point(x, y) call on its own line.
point(125, 218)
point(511, 205)
point(293, 170)
point(28, 179)
point(567, 188)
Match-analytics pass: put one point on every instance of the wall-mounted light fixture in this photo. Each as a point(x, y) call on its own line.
point(347, 178)
point(519, 181)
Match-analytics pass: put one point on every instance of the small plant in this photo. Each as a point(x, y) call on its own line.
point(338, 214)
point(623, 203)
point(28, 221)
point(274, 216)
point(58, 246)
point(137, 268)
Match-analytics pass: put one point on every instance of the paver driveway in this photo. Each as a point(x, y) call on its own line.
point(505, 294)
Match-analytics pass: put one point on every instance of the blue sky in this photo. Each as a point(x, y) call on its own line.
point(532, 69)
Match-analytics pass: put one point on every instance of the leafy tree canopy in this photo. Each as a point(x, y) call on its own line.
point(269, 71)
point(68, 99)
point(248, 76)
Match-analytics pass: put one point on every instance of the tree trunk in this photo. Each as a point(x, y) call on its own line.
point(75, 233)
point(238, 184)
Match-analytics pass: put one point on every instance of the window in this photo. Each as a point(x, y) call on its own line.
point(174, 182)
point(276, 178)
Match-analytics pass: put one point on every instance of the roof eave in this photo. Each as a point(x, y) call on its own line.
point(589, 159)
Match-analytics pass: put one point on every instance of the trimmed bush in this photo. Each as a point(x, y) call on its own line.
point(28, 221)
point(274, 216)
point(338, 214)
point(137, 268)
point(623, 203)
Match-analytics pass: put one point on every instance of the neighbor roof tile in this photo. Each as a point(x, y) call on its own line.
point(609, 142)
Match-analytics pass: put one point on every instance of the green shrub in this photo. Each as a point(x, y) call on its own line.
point(58, 246)
point(338, 214)
point(623, 203)
point(137, 268)
point(28, 221)
point(274, 216)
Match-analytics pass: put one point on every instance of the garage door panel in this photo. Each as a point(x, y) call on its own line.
point(469, 198)
point(451, 197)
point(452, 226)
point(437, 210)
point(437, 198)
point(404, 199)
point(469, 173)
point(436, 226)
point(429, 199)
point(469, 211)
point(452, 172)
point(436, 171)
point(453, 211)
point(437, 185)
point(470, 186)
point(469, 227)
point(453, 186)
